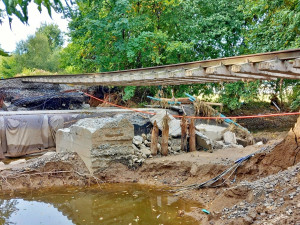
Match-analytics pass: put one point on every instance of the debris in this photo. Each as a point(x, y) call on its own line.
point(229, 137)
point(137, 140)
point(213, 132)
point(174, 124)
point(203, 141)
point(205, 211)
point(98, 141)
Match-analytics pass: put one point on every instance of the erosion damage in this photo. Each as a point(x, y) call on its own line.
point(264, 188)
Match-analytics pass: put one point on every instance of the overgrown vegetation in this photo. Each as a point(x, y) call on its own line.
point(108, 35)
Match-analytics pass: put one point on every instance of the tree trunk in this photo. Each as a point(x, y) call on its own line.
point(165, 136)
point(192, 133)
point(184, 125)
point(154, 139)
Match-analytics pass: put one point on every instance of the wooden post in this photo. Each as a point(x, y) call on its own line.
point(184, 125)
point(192, 133)
point(165, 136)
point(154, 139)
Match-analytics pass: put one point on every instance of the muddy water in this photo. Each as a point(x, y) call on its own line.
point(109, 204)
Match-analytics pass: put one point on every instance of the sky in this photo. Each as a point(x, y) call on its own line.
point(19, 31)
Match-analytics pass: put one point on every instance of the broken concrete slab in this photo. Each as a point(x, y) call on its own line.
point(229, 137)
point(174, 124)
point(203, 141)
point(98, 141)
point(213, 132)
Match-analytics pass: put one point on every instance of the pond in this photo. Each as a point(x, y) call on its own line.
point(108, 204)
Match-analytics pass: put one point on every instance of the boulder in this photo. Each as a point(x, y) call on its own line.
point(98, 141)
point(229, 137)
point(174, 124)
point(213, 132)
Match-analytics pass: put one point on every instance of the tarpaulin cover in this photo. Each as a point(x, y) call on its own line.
point(25, 134)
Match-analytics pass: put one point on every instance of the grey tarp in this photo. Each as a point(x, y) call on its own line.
point(25, 134)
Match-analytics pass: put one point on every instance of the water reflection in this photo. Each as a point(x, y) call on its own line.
point(112, 204)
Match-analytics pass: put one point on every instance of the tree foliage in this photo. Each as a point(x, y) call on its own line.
point(19, 8)
point(121, 34)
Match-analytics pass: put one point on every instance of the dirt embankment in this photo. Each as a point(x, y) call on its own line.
point(265, 188)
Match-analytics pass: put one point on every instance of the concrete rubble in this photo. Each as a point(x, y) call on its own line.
point(98, 141)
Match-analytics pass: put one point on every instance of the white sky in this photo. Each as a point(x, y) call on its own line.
point(19, 31)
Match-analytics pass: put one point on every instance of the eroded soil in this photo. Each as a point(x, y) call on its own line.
point(266, 188)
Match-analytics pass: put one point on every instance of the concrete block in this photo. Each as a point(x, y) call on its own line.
point(213, 132)
point(229, 137)
point(98, 141)
point(203, 142)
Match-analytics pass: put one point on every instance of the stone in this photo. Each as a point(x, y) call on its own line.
point(175, 144)
point(98, 141)
point(144, 136)
point(203, 142)
point(174, 124)
point(242, 142)
point(259, 143)
point(137, 140)
point(229, 137)
point(289, 212)
point(213, 132)
point(147, 143)
point(219, 145)
point(194, 170)
point(17, 162)
point(146, 151)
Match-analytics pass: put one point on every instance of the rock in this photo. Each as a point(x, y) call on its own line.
point(146, 151)
point(174, 124)
point(298, 205)
point(144, 136)
point(203, 141)
point(137, 140)
point(194, 170)
point(289, 212)
point(259, 143)
point(219, 145)
point(242, 142)
point(147, 143)
point(98, 141)
point(20, 161)
point(229, 137)
point(135, 148)
point(175, 144)
point(213, 132)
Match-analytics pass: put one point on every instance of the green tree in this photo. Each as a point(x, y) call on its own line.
point(8, 67)
point(121, 34)
point(40, 51)
point(271, 25)
point(53, 34)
